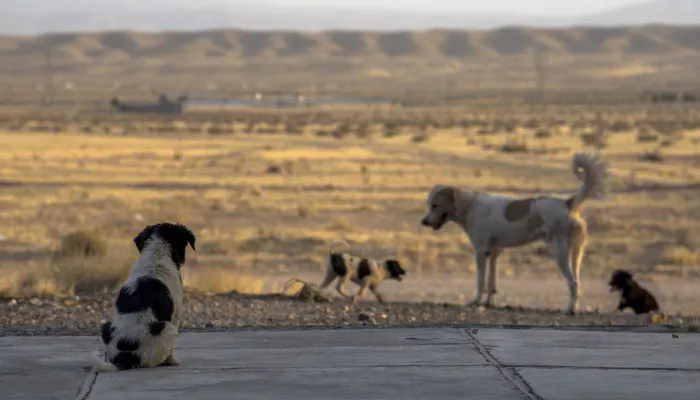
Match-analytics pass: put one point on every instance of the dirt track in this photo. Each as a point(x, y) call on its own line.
point(73, 316)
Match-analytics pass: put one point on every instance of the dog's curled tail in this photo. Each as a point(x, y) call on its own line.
point(330, 248)
point(100, 364)
point(592, 170)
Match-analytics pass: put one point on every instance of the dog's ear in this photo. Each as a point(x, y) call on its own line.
point(458, 199)
point(140, 239)
point(178, 237)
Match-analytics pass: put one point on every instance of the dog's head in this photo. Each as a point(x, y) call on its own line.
point(395, 270)
point(444, 202)
point(619, 280)
point(176, 235)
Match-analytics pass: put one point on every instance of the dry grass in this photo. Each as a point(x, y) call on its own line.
point(269, 204)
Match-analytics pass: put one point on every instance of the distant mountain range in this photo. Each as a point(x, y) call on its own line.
point(43, 16)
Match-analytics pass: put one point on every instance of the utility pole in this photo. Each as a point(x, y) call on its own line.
point(49, 94)
point(448, 87)
point(539, 74)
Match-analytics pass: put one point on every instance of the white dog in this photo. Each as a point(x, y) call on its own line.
point(145, 320)
point(494, 223)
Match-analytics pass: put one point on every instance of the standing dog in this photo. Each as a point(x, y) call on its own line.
point(632, 295)
point(494, 223)
point(362, 271)
point(148, 308)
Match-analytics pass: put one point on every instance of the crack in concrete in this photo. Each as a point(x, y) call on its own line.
point(86, 389)
point(510, 374)
point(359, 367)
point(577, 367)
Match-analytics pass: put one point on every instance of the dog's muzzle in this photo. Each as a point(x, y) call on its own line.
point(436, 226)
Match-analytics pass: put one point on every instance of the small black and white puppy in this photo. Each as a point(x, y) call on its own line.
point(365, 272)
point(632, 295)
point(144, 323)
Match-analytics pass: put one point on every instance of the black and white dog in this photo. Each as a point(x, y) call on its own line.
point(632, 295)
point(362, 271)
point(145, 319)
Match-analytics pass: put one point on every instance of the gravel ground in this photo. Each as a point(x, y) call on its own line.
point(83, 315)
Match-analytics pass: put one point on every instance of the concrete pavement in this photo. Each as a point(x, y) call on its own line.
point(388, 363)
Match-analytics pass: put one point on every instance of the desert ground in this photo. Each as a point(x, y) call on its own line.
point(267, 191)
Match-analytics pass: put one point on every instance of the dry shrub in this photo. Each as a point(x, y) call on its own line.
point(81, 244)
point(343, 130)
point(543, 133)
point(652, 156)
point(531, 123)
point(341, 223)
point(422, 137)
point(220, 280)
point(305, 210)
point(594, 138)
point(391, 129)
point(363, 131)
point(308, 291)
point(487, 131)
point(273, 169)
point(620, 125)
point(68, 276)
point(294, 128)
point(646, 135)
point(680, 255)
point(667, 143)
point(514, 145)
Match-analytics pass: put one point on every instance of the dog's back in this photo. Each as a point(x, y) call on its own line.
point(640, 299)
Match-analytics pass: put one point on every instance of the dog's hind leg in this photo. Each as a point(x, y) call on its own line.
point(491, 278)
point(327, 280)
point(577, 250)
point(480, 278)
point(340, 286)
point(560, 249)
point(378, 295)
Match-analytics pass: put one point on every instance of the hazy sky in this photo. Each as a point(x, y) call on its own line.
point(541, 7)
point(538, 7)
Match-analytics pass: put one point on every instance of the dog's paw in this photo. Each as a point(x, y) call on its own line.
point(570, 311)
point(171, 361)
point(473, 303)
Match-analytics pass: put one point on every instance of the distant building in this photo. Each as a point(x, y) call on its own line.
point(163, 106)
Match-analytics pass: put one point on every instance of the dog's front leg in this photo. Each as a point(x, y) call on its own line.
point(491, 278)
point(623, 304)
point(378, 295)
point(480, 278)
point(362, 291)
point(171, 360)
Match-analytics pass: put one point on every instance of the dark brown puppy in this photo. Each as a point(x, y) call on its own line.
point(632, 295)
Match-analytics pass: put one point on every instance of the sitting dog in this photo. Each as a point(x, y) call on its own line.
point(141, 333)
point(362, 271)
point(632, 295)
point(494, 223)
